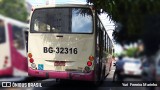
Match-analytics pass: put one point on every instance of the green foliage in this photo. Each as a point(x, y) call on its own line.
point(131, 52)
point(13, 8)
point(115, 54)
point(136, 19)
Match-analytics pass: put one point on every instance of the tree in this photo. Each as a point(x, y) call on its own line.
point(136, 19)
point(13, 8)
point(131, 52)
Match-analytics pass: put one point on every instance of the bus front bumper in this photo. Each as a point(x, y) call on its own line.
point(61, 74)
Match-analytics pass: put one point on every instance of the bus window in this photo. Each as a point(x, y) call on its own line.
point(2, 32)
point(62, 20)
point(81, 23)
point(18, 37)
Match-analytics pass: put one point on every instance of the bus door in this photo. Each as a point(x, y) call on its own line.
point(101, 45)
point(101, 51)
point(109, 56)
point(5, 62)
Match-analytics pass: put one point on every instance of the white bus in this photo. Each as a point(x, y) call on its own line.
point(68, 42)
point(13, 56)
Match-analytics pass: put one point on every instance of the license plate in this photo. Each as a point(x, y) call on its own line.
point(59, 63)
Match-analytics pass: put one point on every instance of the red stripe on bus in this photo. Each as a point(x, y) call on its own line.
point(18, 61)
point(62, 75)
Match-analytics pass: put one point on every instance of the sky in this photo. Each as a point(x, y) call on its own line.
point(42, 2)
point(108, 24)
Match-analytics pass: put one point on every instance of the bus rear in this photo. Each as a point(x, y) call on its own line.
point(61, 43)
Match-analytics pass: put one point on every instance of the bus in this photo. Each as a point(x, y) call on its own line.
point(68, 41)
point(13, 56)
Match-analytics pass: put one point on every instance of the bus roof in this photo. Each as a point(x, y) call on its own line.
point(63, 5)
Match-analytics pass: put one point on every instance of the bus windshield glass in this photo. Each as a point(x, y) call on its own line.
point(62, 20)
point(2, 32)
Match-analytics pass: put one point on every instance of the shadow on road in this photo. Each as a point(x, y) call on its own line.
point(68, 85)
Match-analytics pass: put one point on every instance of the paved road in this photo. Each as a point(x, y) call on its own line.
point(78, 85)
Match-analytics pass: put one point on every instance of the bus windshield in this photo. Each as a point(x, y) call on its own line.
point(62, 20)
point(2, 32)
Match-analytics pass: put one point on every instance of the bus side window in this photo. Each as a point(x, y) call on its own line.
point(2, 32)
point(18, 37)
